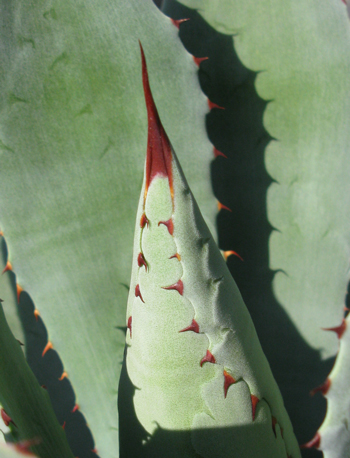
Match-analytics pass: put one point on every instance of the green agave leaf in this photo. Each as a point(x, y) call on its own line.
point(72, 135)
point(192, 355)
point(25, 402)
point(302, 49)
point(8, 295)
point(333, 437)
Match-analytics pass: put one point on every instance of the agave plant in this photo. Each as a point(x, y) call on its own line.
point(73, 137)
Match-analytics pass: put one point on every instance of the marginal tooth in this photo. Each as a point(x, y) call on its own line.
point(274, 423)
point(141, 261)
point(138, 293)
point(48, 347)
point(339, 330)
point(209, 357)
point(324, 388)
point(255, 401)
point(223, 207)
point(177, 22)
point(199, 60)
point(64, 426)
point(36, 314)
point(169, 224)
point(177, 256)
point(219, 153)
point(231, 252)
point(144, 221)
point(228, 381)
point(192, 327)
point(64, 375)
point(8, 267)
point(178, 286)
point(214, 105)
point(19, 290)
point(6, 418)
point(129, 326)
point(314, 443)
point(75, 408)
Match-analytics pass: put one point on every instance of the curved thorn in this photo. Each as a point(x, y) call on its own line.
point(178, 286)
point(48, 347)
point(314, 443)
point(192, 327)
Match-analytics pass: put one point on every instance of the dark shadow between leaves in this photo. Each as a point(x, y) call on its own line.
point(240, 182)
point(48, 371)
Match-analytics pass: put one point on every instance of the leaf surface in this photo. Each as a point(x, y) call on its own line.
point(72, 136)
point(302, 51)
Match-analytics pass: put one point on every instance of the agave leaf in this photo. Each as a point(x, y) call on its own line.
point(25, 402)
point(333, 437)
point(192, 353)
point(304, 60)
point(72, 133)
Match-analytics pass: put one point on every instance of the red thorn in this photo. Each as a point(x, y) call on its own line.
point(229, 380)
point(48, 347)
point(223, 207)
point(130, 325)
point(199, 60)
point(177, 256)
point(214, 105)
point(322, 388)
point(255, 401)
point(8, 267)
point(177, 22)
point(6, 418)
point(75, 408)
point(19, 290)
point(1, 234)
point(169, 224)
point(36, 314)
point(44, 386)
point(192, 327)
point(209, 357)
point(159, 154)
point(138, 293)
point(314, 443)
point(64, 426)
point(144, 221)
point(94, 450)
point(339, 330)
point(219, 153)
point(274, 422)
point(141, 261)
point(178, 286)
point(231, 252)
point(64, 375)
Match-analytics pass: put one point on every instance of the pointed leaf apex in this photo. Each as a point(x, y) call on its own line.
point(159, 155)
